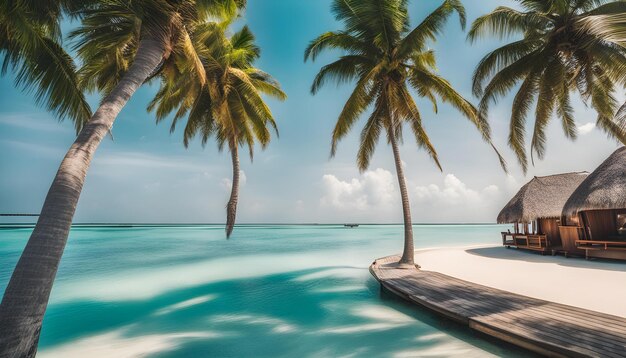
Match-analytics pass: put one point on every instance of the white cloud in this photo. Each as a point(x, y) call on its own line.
point(455, 201)
point(144, 160)
point(374, 189)
point(33, 121)
point(453, 192)
point(41, 150)
point(511, 183)
point(586, 128)
point(375, 197)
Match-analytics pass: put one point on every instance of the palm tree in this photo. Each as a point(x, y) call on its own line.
point(30, 47)
point(385, 56)
point(228, 105)
point(122, 43)
point(556, 55)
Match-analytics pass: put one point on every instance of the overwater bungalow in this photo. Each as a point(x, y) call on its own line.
point(595, 213)
point(536, 212)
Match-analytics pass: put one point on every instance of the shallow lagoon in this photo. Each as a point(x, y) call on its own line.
point(271, 290)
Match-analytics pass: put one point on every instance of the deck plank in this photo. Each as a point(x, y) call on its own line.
point(541, 326)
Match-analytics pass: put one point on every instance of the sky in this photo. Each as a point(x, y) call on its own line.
point(144, 174)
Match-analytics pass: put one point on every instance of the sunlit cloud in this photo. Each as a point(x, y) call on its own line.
point(41, 150)
point(33, 121)
point(586, 128)
point(145, 160)
point(453, 192)
point(375, 188)
point(458, 201)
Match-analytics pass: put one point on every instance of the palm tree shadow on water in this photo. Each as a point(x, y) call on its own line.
point(329, 311)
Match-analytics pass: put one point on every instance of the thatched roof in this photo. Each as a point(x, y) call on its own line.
point(540, 198)
point(605, 188)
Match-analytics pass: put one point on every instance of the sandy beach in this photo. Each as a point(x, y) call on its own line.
point(594, 284)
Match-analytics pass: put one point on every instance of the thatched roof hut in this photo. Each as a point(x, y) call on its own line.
point(541, 198)
point(605, 188)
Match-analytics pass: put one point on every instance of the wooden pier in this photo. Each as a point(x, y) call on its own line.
point(544, 327)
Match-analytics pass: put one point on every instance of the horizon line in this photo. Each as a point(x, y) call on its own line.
point(251, 224)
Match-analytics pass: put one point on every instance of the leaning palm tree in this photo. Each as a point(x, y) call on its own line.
point(122, 43)
point(385, 57)
point(30, 47)
point(560, 51)
point(228, 105)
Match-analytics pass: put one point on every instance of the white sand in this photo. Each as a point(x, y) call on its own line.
point(594, 285)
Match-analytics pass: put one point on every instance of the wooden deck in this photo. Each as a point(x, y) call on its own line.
point(544, 327)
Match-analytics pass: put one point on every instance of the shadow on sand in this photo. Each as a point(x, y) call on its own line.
point(501, 252)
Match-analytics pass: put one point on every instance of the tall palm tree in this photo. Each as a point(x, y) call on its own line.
point(385, 56)
point(122, 43)
point(555, 56)
point(30, 47)
point(228, 105)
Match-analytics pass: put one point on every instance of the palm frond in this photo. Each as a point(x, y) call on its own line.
point(362, 96)
point(430, 27)
point(521, 106)
point(501, 58)
point(408, 109)
point(505, 22)
point(546, 101)
point(503, 81)
point(42, 65)
point(370, 135)
point(335, 40)
point(346, 69)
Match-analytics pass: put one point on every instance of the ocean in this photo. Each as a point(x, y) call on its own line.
point(269, 291)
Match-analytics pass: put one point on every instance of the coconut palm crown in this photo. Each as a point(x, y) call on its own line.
point(557, 50)
point(228, 105)
point(386, 57)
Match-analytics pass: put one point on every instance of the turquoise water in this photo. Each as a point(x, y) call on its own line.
point(270, 291)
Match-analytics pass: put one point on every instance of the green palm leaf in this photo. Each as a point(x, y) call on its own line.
point(30, 47)
point(565, 46)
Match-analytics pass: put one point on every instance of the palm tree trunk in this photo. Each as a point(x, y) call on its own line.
point(408, 254)
point(26, 297)
point(231, 207)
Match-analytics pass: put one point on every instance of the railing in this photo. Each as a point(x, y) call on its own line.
point(529, 241)
point(601, 245)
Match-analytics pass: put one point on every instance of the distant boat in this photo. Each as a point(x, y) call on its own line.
point(351, 225)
